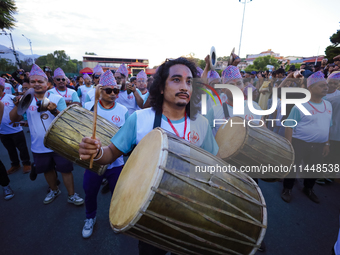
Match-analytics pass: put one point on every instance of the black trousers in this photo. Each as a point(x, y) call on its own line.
point(4, 180)
point(11, 143)
point(334, 152)
point(309, 153)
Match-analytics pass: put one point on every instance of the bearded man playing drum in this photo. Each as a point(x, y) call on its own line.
point(117, 114)
point(60, 79)
point(170, 96)
point(45, 159)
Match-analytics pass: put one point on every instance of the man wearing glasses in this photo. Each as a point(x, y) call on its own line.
point(12, 136)
point(117, 114)
point(129, 96)
point(70, 95)
point(46, 160)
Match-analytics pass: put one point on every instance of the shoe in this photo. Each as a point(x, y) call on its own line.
point(57, 183)
point(106, 188)
point(13, 169)
point(26, 169)
point(51, 196)
point(310, 193)
point(75, 199)
point(286, 195)
point(88, 227)
point(33, 173)
point(320, 181)
point(8, 192)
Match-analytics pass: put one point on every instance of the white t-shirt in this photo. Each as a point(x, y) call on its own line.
point(39, 126)
point(141, 123)
point(330, 95)
point(68, 94)
point(5, 127)
point(90, 96)
point(216, 112)
point(20, 88)
point(311, 128)
point(117, 115)
point(128, 100)
point(9, 90)
point(82, 92)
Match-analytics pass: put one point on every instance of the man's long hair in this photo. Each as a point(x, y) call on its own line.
point(158, 85)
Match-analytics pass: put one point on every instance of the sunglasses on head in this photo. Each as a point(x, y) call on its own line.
point(109, 91)
point(63, 79)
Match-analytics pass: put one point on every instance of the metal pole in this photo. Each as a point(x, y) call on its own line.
point(244, 10)
point(14, 52)
point(316, 60)
point(29, 41)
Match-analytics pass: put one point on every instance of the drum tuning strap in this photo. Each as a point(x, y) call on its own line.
point(225, 111)
point(157, 121)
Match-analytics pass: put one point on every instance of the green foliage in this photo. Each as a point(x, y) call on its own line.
point(333, 50)
point(224, 58)
point(7, 10)
point(7, 65)
point(90, 53)
point(335, 38)
point(260, 64)
point(59, 58)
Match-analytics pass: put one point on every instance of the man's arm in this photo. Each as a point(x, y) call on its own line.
point(289, 134)
point(1, 110)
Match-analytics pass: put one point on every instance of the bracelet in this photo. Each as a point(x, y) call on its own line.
point(101, 150)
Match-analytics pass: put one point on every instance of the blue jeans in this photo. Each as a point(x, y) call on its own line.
point(91, 186)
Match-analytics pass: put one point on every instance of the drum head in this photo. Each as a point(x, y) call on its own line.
point(229, 138)
point(133, 190)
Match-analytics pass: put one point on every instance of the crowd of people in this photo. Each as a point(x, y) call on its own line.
point(167, 99)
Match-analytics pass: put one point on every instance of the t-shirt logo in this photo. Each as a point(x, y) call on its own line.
point(6, 103)
point(130, 97)
point(249, 117)
point(115, 119)
point(329, 111)
point(313, 112)
point(193, 137)
point(7, 88)
point(32, 108)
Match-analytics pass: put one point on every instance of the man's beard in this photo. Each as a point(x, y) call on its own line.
point(179, 104)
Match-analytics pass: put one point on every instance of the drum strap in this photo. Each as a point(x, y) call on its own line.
point(226, 111)
point(157, 121)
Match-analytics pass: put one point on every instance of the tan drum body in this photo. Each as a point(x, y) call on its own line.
point(68, 129)
point(161, 200)
point(254, 146)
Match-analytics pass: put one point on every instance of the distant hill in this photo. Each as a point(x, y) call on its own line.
point(7, 53)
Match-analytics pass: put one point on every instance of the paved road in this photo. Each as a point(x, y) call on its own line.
point(27, 226)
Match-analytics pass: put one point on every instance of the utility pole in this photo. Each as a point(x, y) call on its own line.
point(14, 52)
point(244, 10)
point(29, 41)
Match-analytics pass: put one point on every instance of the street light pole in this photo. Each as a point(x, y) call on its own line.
point(29, 41)
point(244, 10)
point(14, 52)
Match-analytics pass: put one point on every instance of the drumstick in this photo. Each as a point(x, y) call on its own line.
point(97, 95)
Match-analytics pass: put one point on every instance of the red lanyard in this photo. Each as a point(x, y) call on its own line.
point(317, 109)
point(62, 95)
point(174, 129)
point(145, 92)
point(2, 96)
point(100, 101)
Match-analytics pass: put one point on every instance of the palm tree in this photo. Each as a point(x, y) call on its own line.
point(7, 10)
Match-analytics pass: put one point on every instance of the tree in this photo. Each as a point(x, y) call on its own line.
point(7, 10)
point(90, 53)
point(260, 64)
point(7, 65)
point(224, 58)
point(333, 50)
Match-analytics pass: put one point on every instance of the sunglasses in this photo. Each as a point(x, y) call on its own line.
point(109, 91)
point(58, 79)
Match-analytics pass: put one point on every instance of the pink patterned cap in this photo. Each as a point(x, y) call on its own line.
point(231, 73)
point(212, 75)
point(36, 70)
point(315, 77)
point(59, 72)
point(98, 69)
point(142, 75)
point(334, 75)
point(85, 76)
point(123, 70)
point(2, 81)
point(107, 79)
point(199, 71)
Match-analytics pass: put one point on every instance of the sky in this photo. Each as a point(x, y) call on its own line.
point(157, 30)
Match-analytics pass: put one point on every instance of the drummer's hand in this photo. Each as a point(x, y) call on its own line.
point(131, 87)
point(207, 62)
point(16, 100)
point(236, 61)
point(51, 106)
point(89, 147)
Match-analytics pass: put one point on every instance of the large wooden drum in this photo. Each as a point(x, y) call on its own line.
point(68, 129)
point(255, 148)
point(161, 198)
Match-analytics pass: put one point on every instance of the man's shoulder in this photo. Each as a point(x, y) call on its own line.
point(145, 112)
point(121, 107)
